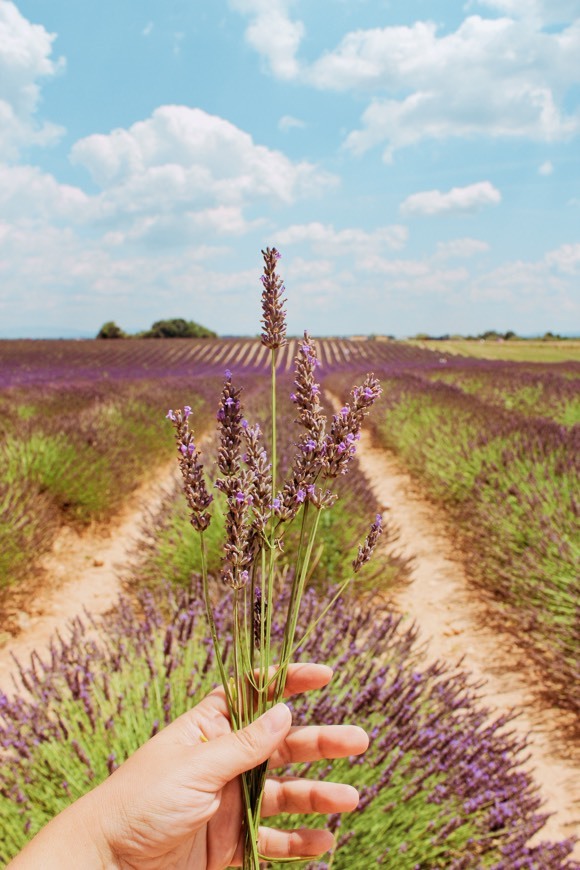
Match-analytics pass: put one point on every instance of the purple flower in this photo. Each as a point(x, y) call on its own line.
point(170, 416)
point(187, 411)
point(228, 375)
point(300, 496)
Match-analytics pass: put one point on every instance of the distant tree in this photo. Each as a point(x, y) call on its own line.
point(111, 330)
point(551, 336)
point(509, 335)
point(177, 327)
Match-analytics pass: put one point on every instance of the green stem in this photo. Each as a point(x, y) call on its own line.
point(213, 630)
point(293, 617)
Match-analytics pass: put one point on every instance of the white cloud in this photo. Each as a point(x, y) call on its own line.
point(148, 29)
point(565, 259)
point(331, 242)
point(27, 193)
point(546, 168)
point(25, 59)
point(458, 199)
point(184, 158)
point(544, 11)
point(288, 122)
point(501, 77)
point(273, 34)
point(498, 77)
point(461, 248)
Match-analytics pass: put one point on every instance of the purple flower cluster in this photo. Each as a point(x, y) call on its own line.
point(440, 783)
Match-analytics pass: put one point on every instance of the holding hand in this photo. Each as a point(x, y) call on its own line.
point(176, 803)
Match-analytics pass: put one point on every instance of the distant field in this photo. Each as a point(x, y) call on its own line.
point(517, 351)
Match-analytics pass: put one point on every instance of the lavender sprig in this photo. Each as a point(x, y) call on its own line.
point(346, 426)
point(256, 518)
point(273, 314)
point(196, 493)
point(365, 550)
point(229, 418)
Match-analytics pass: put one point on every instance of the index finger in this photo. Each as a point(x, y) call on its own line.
point(210, 718)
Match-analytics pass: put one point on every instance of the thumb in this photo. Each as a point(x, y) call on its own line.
point(228, 756)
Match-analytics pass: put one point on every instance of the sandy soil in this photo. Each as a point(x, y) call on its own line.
point(81, 571)
point(442, 603)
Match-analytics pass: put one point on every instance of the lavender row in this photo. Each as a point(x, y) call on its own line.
point(510, 484)
point(71, 454)
point(27, 363)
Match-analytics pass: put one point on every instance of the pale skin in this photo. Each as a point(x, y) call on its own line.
point(176, 803)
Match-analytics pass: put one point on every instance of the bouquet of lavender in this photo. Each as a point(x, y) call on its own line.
point(258, 514)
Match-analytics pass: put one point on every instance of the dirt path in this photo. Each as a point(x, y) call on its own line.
point(441, 602)
point(82, 571)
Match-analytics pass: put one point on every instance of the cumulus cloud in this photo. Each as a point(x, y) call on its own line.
point(546, 168)
point(504, 77)
point(25, 60)
point(491, 77)
point(27, 193)
point(461, 248)
point(565, 259)
point(182, 157)
point(325, 238)
point(273, 34)
point(458, 199)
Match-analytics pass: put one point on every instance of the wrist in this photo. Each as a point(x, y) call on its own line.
point(75, 838)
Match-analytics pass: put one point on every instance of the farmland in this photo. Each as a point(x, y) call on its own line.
point(495, 443)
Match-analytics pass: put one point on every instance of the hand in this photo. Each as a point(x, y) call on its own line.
point(176, 802)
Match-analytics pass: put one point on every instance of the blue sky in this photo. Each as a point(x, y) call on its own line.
point(417, 164)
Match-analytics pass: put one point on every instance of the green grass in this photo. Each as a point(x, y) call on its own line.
point(517, 351)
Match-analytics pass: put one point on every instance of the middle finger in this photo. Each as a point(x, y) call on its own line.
point(314, 742)
point(295, 795)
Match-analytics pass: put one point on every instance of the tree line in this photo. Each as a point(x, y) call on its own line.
point(175, 327)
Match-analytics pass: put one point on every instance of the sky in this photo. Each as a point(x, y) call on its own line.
point(417, 164)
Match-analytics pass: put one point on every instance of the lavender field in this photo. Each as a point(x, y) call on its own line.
point(83, 423)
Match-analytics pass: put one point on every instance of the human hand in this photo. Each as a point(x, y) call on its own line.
point(176, 803)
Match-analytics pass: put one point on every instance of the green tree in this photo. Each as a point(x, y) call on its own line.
point(177, 327)
point(111, 330)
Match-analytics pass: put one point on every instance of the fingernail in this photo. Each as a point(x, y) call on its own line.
point(278, 718)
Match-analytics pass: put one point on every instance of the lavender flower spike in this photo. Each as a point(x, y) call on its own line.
point(274, 316)
point(365, 550)
point(198, 498)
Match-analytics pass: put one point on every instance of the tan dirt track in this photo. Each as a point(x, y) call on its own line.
point(443, 604)
point(83, 572)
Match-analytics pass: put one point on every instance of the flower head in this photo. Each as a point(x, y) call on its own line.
point(274, 315)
